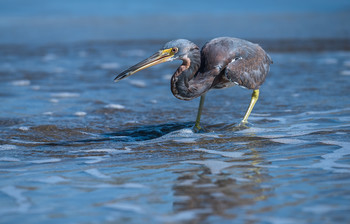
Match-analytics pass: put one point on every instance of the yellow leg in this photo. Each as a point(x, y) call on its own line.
point(255, 97)
point(197, 127)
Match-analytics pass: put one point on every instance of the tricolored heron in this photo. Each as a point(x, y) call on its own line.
point(223, 62)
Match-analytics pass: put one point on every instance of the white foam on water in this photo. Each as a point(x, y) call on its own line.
point(278, 159)
point(222, 153)
point(53, 100)
point(80, 113)
point(65, 95)
point(53, 160)
point(132, 185)
point(154, 101)
point(215, 166)
point(329, 61)
point(109, 65)
point(26, 142)
point(188, 182)
point(96, 173)
point(94, 159)
point(23, 128)
point(182, 216)
point(97, 186)
point(345, 72)
point(254, 130)
point(9, 159)
point(49, 57)
point(21, 82)
point(185, 135)
point(186, 132)
point(13, 170)
point(208, 185)
point(109, 150)
point(7, 147)
point(115, 106)
point(261, 114)
point(321, 209)
point(127, 148)
point(185, 140)
point(341, 133)
point(138, 83)
point(132, 122)
point(91, 134)
point(126, 185)
point(36, 87)
point(126, 207)
point(48, 113)
point(289, 141)
point(17, 195)
point(207, 135)
point(52, 180)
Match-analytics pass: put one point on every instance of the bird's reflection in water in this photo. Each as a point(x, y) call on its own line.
point(241, 183)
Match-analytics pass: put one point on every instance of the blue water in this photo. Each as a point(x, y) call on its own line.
point(42, 22)
point(180, 7)
point(75, 147)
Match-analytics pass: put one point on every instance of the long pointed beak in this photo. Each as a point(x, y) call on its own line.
point(159, 57)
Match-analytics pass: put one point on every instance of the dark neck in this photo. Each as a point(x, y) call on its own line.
point(183, 81)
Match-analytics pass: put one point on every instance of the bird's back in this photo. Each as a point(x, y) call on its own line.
point(237, 62)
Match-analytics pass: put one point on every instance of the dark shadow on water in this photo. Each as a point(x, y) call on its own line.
point(148, 132)
point(131, 134)
point(134, 134)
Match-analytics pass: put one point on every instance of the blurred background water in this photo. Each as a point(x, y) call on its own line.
point(41, 21)
point(75, 147)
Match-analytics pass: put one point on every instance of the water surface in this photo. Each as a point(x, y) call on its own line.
point(77, 147)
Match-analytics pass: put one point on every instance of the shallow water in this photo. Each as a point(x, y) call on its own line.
point(77, 147)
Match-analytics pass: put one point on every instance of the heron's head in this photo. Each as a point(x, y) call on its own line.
point(182, 47)
point(175, 49)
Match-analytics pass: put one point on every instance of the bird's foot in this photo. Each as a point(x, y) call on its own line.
point(241, 126)
point(198, 129)
point(244, 125)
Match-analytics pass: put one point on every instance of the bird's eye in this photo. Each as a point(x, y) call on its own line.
point(174, 50)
